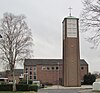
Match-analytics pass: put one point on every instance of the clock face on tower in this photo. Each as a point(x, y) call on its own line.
point(72, 28)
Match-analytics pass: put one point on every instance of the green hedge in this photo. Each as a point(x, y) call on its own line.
point(22, 87)
point(33, 87)
point(25, 82)
point(19, 87)
point(5, 87)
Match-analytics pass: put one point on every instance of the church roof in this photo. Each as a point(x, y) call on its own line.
point(71, 17)
point(17, 72)
point(83, 62)
point(30, 62)
point(2, 74)
point(42, 61)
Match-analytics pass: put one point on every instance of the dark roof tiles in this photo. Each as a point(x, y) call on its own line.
point(17, 72)
point(30, 62)
point(42, 61)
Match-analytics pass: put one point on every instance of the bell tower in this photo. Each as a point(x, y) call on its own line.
point(71, 52)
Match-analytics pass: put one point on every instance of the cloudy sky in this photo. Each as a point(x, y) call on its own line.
point(45, 17)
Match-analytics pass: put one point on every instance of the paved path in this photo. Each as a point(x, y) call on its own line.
point(58, 91)
point(61, 89)
point(86, 91)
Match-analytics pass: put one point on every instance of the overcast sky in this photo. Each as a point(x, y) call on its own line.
point(45, 17)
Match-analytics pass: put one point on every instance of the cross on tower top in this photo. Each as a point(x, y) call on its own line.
point(70, 11)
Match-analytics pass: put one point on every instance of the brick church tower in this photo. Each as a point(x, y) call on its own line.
point(71, 53)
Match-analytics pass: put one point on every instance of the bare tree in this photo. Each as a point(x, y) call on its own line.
point(16, 41)
point(90, 21)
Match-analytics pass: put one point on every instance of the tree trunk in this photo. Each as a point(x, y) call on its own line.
point(14, 83)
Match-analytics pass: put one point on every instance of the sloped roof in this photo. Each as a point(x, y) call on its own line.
point(42, 61)
point(71, 17)
point(7, 73)
point(83, 62)
point(2, 74)
point(30, 62)
point(17, 72)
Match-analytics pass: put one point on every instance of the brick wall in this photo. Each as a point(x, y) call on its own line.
point(83, 70)
point(49, 74)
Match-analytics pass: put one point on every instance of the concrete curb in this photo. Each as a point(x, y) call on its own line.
point(61, 87)
point(86, 91)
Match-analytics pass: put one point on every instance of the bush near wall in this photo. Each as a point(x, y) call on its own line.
point(89, 79)
point(33, 87)
point(19, 87)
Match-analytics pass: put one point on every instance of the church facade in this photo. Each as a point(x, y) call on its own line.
point(68, 71)
point(49, 71)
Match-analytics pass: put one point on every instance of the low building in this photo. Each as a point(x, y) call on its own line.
point(3, 78)
point(49, 71)
point(17, 72)
point(83, 68)
point(7, 77)
point(2, 74)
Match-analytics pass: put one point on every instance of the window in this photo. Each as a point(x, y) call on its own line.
point(82, 68)
point(43, 68)
point(30, 77)
point(48, 68)
point(56, 68)
point(52, 68)
point(30, 73)
point(71, 28)
point(34, 77)
point(26, 70)
point(34, 71)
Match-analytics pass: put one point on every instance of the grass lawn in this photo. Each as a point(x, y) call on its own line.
point(16, 92)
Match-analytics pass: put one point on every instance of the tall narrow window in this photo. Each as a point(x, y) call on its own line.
point(71, 28)
point(35, 72)
point(26, 70)
point(30, 77)
point(30, 72)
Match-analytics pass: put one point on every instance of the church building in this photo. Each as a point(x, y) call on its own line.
point(49, 71)
point(68, 71)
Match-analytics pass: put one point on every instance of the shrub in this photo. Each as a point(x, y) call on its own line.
point(89, 79)
point(3, 83)
point(33, 87)
point(6, 87)
point(19, 87)
point(25, 82)
point(29, 81)
point(22, 87)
